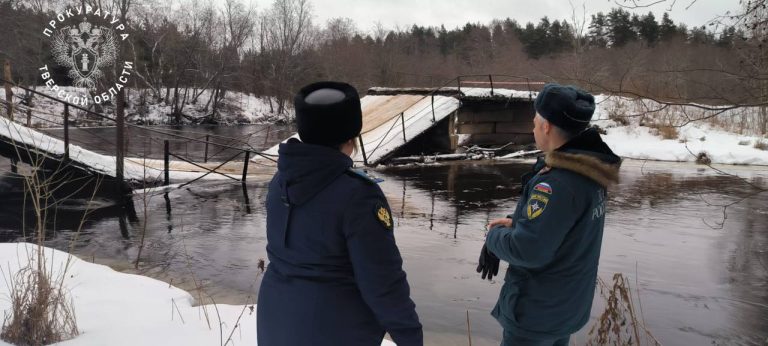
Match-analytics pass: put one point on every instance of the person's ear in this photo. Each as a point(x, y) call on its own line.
point(546, 126)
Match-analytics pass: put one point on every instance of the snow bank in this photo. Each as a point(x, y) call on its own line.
point(717, 136)
point(236, 108)
point(114, 308)
point(720, 146)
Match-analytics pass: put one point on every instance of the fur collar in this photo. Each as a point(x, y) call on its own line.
point(604, 173)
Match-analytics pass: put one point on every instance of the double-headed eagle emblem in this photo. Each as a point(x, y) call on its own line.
point(85, 50)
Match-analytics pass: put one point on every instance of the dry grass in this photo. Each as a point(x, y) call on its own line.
point(668, 132)
point(618, 113)
point(40, 312)
point(762, 145)
point(620, 323)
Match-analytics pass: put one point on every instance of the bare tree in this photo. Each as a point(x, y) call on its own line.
point(287, 33)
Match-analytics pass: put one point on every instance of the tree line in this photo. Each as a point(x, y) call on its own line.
point(183, 47)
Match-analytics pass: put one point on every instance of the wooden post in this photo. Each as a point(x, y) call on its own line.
point(245, 164)
point(362, 149)
point(205, 157)
point(166, 159)
point(452, 135)
point(120, 140)
point(433, 107)
point(402, 121)
point(29, 115)
point(8, 89)
point(490, 78)
point(66, 131)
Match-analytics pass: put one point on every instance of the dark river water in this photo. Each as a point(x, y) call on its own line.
point(701, 274)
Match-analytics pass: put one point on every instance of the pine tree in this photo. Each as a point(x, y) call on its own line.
point(598, 36)
point(649, 29)
point(667, 28)
point(620, 29)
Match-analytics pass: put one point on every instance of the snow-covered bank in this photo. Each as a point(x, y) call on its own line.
point(636, 128)
point(643, 129)
point(114, 308)
point(719, 146)
point(141, 108)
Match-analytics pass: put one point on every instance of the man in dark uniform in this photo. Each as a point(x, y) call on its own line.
point(335, 274)
point(552, 240)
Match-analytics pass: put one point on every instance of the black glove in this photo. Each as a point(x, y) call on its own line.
point(489, 264)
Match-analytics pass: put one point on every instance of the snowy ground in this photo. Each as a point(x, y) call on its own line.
point(635, 128)
point(114, 308)
point(726, 138)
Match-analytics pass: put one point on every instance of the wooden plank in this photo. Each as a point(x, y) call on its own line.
point(377, 110)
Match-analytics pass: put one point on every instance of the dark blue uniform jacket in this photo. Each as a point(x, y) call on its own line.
point(553, 247)
point(335, 274)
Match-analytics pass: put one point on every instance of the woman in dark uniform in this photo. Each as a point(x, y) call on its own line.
point(335, 274)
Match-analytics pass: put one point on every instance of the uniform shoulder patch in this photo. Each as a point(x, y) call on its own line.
point(536, 205)
point(539, 199)
point(359, 173)
point(543, 188)
point(382, 214)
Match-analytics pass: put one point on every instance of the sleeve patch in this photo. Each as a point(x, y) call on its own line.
point(382, 214)
point(543, 188)
point(536, 205)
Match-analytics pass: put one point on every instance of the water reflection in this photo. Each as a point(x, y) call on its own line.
point(698, 285)
point(67, 201)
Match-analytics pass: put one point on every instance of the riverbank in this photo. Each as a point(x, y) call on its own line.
point(634, 128)
point(695, 142)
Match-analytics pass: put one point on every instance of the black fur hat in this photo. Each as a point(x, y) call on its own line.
point(328, 113)
point(566, 107)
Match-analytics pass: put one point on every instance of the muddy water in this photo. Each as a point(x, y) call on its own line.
point(702, 274)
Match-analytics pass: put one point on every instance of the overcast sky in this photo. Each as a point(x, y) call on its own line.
point(452, 13)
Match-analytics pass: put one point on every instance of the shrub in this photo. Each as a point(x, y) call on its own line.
point(703, 158)
point(762, 145)
point(668, 132)
point(618, 113)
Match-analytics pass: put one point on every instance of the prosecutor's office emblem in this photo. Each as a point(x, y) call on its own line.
point(382, 214)
point(86, 41)
point(85, 49)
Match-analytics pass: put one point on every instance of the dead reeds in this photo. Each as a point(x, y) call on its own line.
point(620, 323)
point(41, 313)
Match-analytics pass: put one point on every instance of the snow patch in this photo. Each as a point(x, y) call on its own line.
point(116, 309)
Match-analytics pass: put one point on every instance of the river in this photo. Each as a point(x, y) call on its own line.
point(701, 274)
